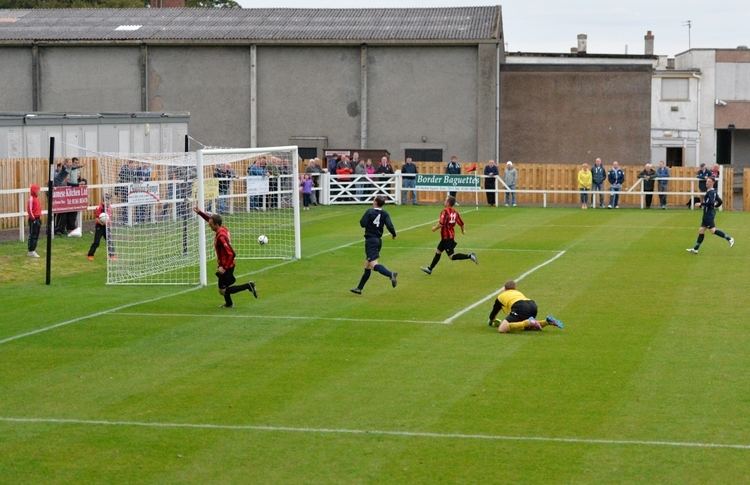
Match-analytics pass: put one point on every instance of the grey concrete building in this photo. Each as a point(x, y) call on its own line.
point(395, 79)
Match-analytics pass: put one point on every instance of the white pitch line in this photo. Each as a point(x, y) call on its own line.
point(375, 432)
point(273, 317)
point(511, 250)
point(450, 319)
point(93, 315)
point(104, 312)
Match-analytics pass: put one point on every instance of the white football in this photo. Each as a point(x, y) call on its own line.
point(262, 239)
point(103, 217)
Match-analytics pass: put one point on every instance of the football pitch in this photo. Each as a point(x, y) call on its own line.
point(648, 382)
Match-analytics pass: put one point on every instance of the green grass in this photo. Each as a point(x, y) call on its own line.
point(375, 388)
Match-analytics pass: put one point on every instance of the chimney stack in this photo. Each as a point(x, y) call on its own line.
point(582, 43)
point(649, 44)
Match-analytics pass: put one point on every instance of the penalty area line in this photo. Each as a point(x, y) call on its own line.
point(450, 319)
point(373, 432)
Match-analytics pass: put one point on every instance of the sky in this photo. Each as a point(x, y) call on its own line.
point(612, 27)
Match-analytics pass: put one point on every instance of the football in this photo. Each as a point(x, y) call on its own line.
point(103, 218)
point(262, 239)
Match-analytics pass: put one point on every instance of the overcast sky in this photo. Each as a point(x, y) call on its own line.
point(552, 25)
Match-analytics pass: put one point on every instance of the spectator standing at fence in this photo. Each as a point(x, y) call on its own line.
point(584, 184)
point(598, 176)
point(313, 168)
point(510, 177)
point(257, 169)
point(453, 168)
point(34, 215)
point(360, 172)
point(225, 174)
point(61, 180)
point(616, 178)
point(703, 174)
point(662, 173)
point(491, 173)
point(385, 167)
point(715, 173)
point(648, 175)
point(369, 167)
point(306, 187)
point(409, 181)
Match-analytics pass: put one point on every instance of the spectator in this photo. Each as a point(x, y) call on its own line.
point(584, 184)
point(409, 181)
point(491, 173)
point(703, 174)
point(662, 173)
point(453, 168)
point(510, 177)
point(333, 162)
point(385, 167)
point(648, 175)
point(715, 172)
point(360, 171)
point(34, 213)
point(598, 176)
point(257, 169)
point(343, 172)
point(225, 174)
point(61, 180)
point(306, 185)
point(616, 178)
point(313, 168)
point(369, 167)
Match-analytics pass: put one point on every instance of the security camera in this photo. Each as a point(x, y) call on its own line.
point(720, 102)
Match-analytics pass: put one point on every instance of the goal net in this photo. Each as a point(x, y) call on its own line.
point(156, 236)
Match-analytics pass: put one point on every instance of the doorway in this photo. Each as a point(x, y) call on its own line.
point(674, 156)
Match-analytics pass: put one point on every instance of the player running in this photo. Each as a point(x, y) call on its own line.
point(521, 312)
point(225, 256)
point(373, 221)
point(449, 217)
point(710, 202)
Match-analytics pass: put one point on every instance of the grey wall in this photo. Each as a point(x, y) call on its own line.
point(15, 79)
point(212, 83)
point(309, 91)
point(741, 148)
point(90, 79)
point(423, 91)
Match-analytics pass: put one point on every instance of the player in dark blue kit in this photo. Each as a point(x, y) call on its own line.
point(710, 202)
point(373, 222)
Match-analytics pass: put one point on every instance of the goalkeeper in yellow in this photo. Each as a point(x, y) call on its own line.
point(520, 312)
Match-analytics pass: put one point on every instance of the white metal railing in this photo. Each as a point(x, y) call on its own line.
point(338, 190)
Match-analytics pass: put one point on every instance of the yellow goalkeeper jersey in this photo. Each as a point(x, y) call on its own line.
point(508, 297)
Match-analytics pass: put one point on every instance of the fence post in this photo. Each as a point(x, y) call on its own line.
point(399, 186)
point(325, 188)
point(21, 219)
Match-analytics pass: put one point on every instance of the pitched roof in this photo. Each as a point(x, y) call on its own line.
point(457, 24)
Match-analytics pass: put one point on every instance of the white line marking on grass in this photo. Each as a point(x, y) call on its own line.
point(104, 312)
point(273, 317)
point(85, 317)
point(513, 250)
point(374, 432)
point(450, 319)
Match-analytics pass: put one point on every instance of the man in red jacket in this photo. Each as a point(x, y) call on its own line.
point(34, 213)
point(225, 257)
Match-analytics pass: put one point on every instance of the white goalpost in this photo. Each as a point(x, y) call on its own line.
point(156, 236)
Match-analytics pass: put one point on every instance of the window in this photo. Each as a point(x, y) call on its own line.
point(424, 154)
point(675, 89)
point(306, 153)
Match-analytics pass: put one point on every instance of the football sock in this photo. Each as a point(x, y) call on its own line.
point(721, 234)
point(543, 322)
point(699, 241)
point(459, 256)
point(238, 288)
point(365, 277)
point(227, 298)
point(518, 325)
point(382, 270)
point(435, 260)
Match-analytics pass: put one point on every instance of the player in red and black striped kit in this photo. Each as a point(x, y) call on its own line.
point(447, 225)
point(225, 256)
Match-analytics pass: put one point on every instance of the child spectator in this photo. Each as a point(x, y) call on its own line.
point(307, 188)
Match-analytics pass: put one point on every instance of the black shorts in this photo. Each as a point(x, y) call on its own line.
point(372, 248)
point(708, 221)
point(226, 279)
point(447, 245)
point(522, 310)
